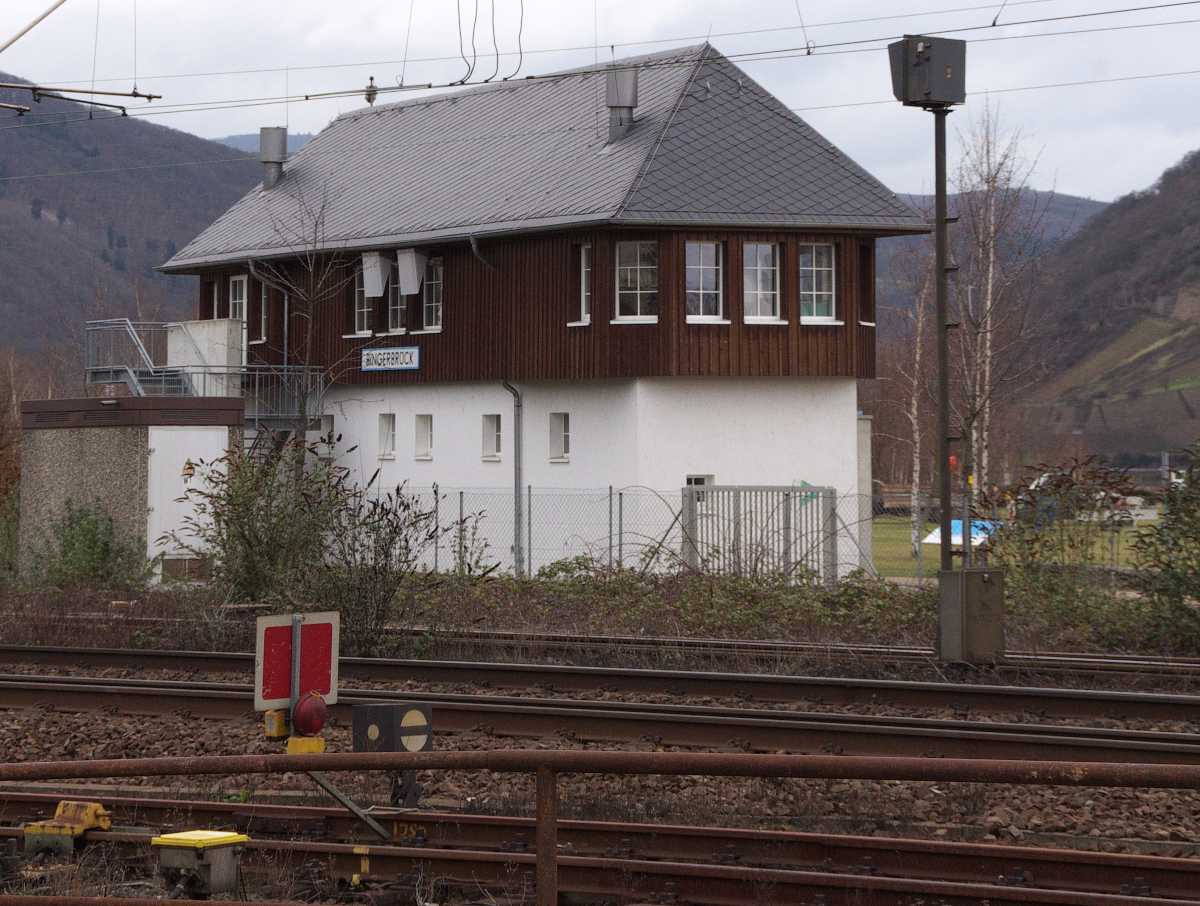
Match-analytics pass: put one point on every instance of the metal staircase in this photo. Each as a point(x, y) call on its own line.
point(135, 354)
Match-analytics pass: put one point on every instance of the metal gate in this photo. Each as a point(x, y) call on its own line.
point(748, 530)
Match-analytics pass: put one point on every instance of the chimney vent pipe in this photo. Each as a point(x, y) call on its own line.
point(621, 97)
point(272, 151)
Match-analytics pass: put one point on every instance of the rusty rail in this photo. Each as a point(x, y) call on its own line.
point(918, 859)
point(757, 686)
point(546, 765)
point(675, 725)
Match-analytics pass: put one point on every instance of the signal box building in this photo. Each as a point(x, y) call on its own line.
point(669, 271)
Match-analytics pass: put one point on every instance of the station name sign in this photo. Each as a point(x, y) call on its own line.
point(399, 358)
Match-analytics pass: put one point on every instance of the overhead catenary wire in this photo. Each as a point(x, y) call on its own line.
point(594, 46)
point(567, 128)
point(30, 27)
point(748, 56)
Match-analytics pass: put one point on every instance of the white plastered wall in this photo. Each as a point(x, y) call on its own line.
point(638, 436)
point(171, 447)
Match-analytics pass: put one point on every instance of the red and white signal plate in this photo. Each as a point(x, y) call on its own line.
point(273, 658)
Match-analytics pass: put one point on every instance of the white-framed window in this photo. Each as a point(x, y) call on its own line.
point(387, 435)
point(216, 297)
point(760, 281)
point(585, 283)
point(264, 310)
point(491, 436)
point(237, 297)
point(362, 305)
point(431, 295)
point(818, 293)
point(698, 482)
point(560, 436)
point(423, 446)
point(702, 280)
point(397, 309)
point(637, 281)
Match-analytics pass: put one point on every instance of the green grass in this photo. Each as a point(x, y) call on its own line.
point(893, 555)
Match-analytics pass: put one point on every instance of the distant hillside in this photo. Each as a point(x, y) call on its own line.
point(1124, 296)
point(1062, 217)
point(248, 141)
point(122, 195)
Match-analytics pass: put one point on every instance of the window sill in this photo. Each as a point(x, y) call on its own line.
point(717, 322)
point(490, 458)
point(357, 336)
point(586, 322)
point(768, 321)
point(391, 333)
point(866, 323)
point(387, 456)
point(649, 319)
point(427, 458)
point(417, 333)
point(821, 322)
point(257, 342)
point(560, 459)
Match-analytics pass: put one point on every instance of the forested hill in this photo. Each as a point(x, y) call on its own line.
point(88, 207)
point(248, 141)
point(1123, 296)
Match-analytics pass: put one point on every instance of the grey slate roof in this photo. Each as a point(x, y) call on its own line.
point(708, 146)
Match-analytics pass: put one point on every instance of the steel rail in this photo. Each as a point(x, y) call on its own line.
point(700, 880)
point(843, 854)
point(721, 885)
point(753, 686)
point(605, 721)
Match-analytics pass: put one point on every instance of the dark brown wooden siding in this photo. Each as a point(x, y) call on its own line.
point(506, 316)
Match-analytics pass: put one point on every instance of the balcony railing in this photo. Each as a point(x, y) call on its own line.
point(135, 354)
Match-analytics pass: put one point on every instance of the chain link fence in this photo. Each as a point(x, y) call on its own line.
point(802, 532)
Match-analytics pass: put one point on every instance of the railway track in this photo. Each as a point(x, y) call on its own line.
point(666, 725)
point(965, 698)
point(706, 865)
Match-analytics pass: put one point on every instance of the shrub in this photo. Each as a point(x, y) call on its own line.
point(258, 516)
point(82, 550)
point(8, 539)
point(1168, 552)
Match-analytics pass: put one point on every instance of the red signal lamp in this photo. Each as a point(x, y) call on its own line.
point(310, 715)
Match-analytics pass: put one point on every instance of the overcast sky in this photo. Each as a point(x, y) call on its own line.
point(1100, 141)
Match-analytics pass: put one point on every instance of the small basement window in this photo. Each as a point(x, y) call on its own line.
point(387, 435)
point(423, 447)
point(560, 436)
point(491, 436)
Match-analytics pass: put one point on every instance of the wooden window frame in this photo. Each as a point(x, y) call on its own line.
point(423, 436)
point(242, 281)
point(699, 269)
point(433, 295)
point(585, 272)
point(755, 292)
point(813, 270)
point(264, 307)
point(640, 291)
point(397, 302)
point(387, 435)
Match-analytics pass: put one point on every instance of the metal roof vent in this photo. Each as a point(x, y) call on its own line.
point(272, 151)
point(621, 98)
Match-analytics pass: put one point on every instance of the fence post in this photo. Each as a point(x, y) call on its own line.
point(788, 564)
point(620, 530)
point(737, 531)
point(437, 521)
point(691, 554)
point(610, 528)
point(829, 539)
point(546, 837)
point(461, 539)
point(529, 530)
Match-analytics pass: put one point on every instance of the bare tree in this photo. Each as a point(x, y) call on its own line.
point(996, 351)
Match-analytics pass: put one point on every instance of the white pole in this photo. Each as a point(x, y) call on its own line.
point(13, 40)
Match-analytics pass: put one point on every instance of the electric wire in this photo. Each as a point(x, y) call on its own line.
point(568, 128)
point(520, 48)
point(407, 38)
point(595, 46)
point(749, 56)
point(495, 46)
